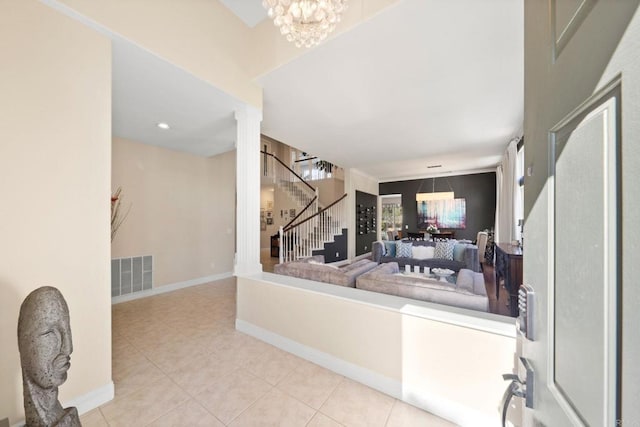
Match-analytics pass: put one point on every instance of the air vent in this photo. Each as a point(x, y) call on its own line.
point(434, 166)
point(129, 275)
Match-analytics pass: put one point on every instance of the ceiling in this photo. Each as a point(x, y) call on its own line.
point(148, 90)
point(423, 83)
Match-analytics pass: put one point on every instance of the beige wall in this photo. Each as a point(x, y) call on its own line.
point(182, 210)
point(180, 31)
point(267, 196)
point(55, 133)
point(449, 369)
point(281, 202)
point(329, 189)
point(203, 37)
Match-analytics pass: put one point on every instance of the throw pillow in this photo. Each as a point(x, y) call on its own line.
point(458, 252)
point(465, 280)
point(419, 252)
point(422, 252)
point(390, 248)
point(403, 249)
point(444, 250)
point(430, 251)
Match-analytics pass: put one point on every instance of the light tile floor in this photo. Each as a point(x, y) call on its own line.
point(178, 361)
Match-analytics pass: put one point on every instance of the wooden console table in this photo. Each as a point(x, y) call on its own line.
point(509, 268)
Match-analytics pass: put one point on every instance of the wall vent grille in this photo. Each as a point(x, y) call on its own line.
point(129, 275)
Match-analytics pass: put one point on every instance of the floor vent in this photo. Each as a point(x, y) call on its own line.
point(129, 275)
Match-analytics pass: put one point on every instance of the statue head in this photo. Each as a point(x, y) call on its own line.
point(44, 338)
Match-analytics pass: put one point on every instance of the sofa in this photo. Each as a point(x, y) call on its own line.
point(449, 254)
point(314, 269)
point(468, 292)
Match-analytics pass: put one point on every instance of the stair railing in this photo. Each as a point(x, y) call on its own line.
point(292, 183)
point(300, 239)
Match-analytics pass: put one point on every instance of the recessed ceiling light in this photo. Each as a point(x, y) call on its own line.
point(163, 125)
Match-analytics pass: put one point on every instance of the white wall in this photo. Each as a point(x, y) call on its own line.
point(181, 210)
point(405, 348)
point(55, 158)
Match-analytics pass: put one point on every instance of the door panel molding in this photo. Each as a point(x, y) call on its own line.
point(603, 105)
point(562, 34)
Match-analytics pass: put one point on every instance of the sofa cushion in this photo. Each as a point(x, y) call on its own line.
point(444, 250)
point(403, 249)
point(458, 251)
point(390, 248)
point(322, 263)
point(422, 252)
point(386, 268)
point(465, 280)
point(384, 280)
point(345, 276)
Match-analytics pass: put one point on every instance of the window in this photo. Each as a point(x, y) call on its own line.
point(391, 215)
point(518, 209)
point(310, 168)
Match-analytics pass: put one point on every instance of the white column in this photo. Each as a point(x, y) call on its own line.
point(247, 259)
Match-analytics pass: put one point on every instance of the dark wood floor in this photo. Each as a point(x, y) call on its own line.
point(495, 306)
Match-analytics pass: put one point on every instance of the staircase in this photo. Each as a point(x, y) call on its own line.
point(314, 229)
point(314, 234)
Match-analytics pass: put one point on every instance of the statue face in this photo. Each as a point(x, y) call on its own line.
point(45, 338)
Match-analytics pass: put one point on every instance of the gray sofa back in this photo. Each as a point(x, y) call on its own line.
point(470, 257)
point(327, 273)
point(469, 292)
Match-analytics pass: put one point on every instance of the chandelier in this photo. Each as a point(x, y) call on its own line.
point(305, 22)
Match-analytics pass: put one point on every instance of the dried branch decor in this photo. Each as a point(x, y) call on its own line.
point(117, 218)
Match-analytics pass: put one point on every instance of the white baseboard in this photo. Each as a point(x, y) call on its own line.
point(431, 402)
point(93, 399)
point(362, 375)
point(88, 401)
point(170, 288)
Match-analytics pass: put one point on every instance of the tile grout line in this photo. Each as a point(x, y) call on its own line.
point(386, 422)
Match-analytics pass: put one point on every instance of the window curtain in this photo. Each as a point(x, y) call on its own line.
point(506, 184)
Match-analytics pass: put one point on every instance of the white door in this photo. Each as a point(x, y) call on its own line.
point(582, 137)
point(584, 280)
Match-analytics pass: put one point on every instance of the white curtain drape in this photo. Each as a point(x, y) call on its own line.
point(506, 185)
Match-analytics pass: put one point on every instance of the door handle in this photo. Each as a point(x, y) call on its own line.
point(518, 388)
point(514, 389)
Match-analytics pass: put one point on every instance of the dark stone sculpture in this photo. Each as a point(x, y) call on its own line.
point(44, 341)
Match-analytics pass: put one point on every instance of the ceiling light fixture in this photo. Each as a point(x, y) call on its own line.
point(305, 22)
point(163, 125)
